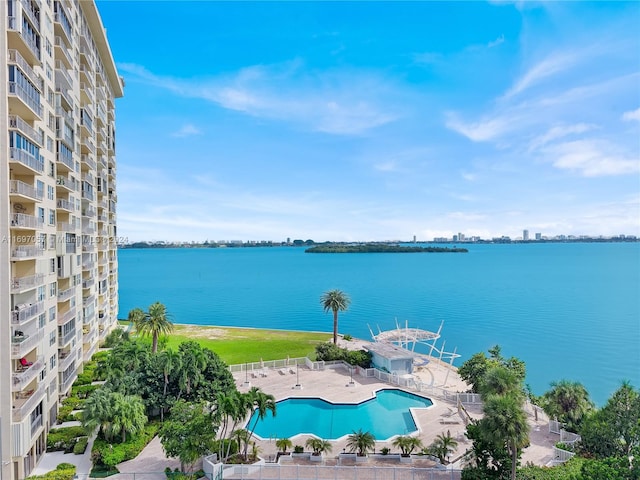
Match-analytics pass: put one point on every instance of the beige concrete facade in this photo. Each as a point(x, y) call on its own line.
point(58, 261)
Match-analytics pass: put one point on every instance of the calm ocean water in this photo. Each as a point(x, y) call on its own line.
point(570, 311)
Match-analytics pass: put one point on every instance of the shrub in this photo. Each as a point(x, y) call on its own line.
point(85, 378)
point(109, 455)
point(81, 445)
point(83, 391)
point(64, 414)
point(64, 471)
point(347, 338)
point(63, 439)
point(298, 449)
point(385, 450)
point(73, 402)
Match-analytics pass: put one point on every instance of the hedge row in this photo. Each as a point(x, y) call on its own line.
point(109, 455)
point(64, 439)
point(64, 471)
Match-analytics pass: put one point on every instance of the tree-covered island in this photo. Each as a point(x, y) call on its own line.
point(380, 248)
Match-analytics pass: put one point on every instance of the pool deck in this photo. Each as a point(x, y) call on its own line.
point(442, 417)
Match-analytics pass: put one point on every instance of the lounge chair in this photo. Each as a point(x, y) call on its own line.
point(292, 371)
point(282, 371)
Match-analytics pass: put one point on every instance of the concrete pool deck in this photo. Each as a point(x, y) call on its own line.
point(442, 417)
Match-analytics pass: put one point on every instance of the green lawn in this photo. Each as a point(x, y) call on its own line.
point(240, 345)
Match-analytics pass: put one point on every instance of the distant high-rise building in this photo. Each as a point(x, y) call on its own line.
point(414, 239)
point(525, 235)
point(58, 262)
point(538, 236)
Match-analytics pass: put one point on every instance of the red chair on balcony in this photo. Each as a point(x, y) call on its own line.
point(25, 363)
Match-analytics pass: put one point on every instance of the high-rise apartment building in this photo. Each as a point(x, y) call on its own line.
point(58, 262)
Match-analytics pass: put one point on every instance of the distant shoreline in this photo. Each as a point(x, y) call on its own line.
point(381, 248)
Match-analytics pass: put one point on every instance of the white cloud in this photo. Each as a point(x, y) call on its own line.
point(341, 102)
point(187, 131)
point(496, 42)
point(592, 158)
point(483, 130)
point(560, 131)
point(632, 115)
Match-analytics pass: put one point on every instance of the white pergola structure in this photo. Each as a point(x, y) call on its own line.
point(407, 338)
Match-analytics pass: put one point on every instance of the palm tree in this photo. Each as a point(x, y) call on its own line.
point(233, 406)
point(361, 442)
point(283, 444)
point(263, 403)
point(443, 446)
point(336, 301)
point(505, 422)
point(192, 365)
point(407, 444)
point(241, 436)
point(155, 323)
point(318, 445)
point(128, 415)
point(136, 318)
point(569, 402)
point(96, 413)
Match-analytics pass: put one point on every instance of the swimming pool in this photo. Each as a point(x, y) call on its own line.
point(384, 416)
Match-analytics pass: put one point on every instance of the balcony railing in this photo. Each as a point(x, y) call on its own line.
point(22, 379)
point(25, 402)
point(89, 161)
point(29, 39)
point(18, 187)
point(66, 227)
point(26, 251)
point(65, 205)
point(88, 229)
point(26, 221)
point(25, 313)
point(88, 300)
point(15, 57)
point(20, 284)
point(63, 340)
point(88, 247)
point(62, 74)
point(88, 283)
point(27, 159)
point(68, 182)
point(64, 295)
point(62, 46)
point(61, 19)
point(27, 8)
point(18, 123)
point(65, 360)
point(66, 159)
point(65, 115)
point(88, 212)
point(31, 101)
point(66, 316)
point(67, 382)
point(88, 264)
point(22, 345)
point(89, 353)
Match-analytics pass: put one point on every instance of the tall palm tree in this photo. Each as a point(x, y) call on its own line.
point(569, 402)
point(407, 444)
point(192, 365)
point(336, 301)
point(505, 422)
point(136, 318)
point(155, 323)
point(96, 413)
point(361, 442)
point(242, 437)
point(233, 406)
point(263, 403)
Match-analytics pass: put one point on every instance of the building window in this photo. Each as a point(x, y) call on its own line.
point(52, 314)
point(52, 244)
point(52, 289)
point(52, 338)
point(51, 192)
point(52, 217)
point(42, 320)
point(52, 167)
point(53, 361)
point(42, 240)
point(41, 214)
point(40, 187)
point(52, 265)
point(42, 293)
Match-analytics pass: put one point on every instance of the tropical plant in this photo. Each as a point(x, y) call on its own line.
point(407, 444)
point(263, 403)
point(97, 413)
point(318, 446)
point(443, 446)
point(336, 301)
point(191, 367)
point(568, 402)
point(283, 444)
point(242, 438)
point(155, 322)
point(233, 406)
point(361, 442)
point(127, 415)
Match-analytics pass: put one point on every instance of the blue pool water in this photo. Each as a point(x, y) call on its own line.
point(384, 416)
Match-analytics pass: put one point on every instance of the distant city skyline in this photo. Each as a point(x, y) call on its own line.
point(361, 121)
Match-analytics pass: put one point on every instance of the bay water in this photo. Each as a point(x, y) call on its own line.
point(569, 310)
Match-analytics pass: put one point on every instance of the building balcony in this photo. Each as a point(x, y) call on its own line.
point(66, 227)
point(88, 283)
point(67, 316)
point(65, 99)
point(86, 144)
point(34, 165)
point(22, 345)
point(62, 25)
point(25, 402)
point(65, 359)
point(28, 282)
point(63, 204)
point(89, 353)
point(15, 58)
point(62, 76)
point(30, 12)
point(89, 178)
point(66, 160)
point(87, 195)
point(65, 339)
point(17, 123)
point(66, 136)
point(62, 52)
point(29, 106)
point(65, 115)
point(86, 75)
point(89, 335)
point(26, 252)
point(27, 42)
point(86, 94)
point(88, 212)
point(88, 247)
point(64, 295)
point(25, 191)
point(91, 163)
point(68, 183)
point(88, 300)
point(88, 229)
point(24, 221)
point(67, 381)
point(23, 378)
point(88, 264)
point(23, 313)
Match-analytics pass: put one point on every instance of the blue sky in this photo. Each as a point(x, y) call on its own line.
point(375, 120)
